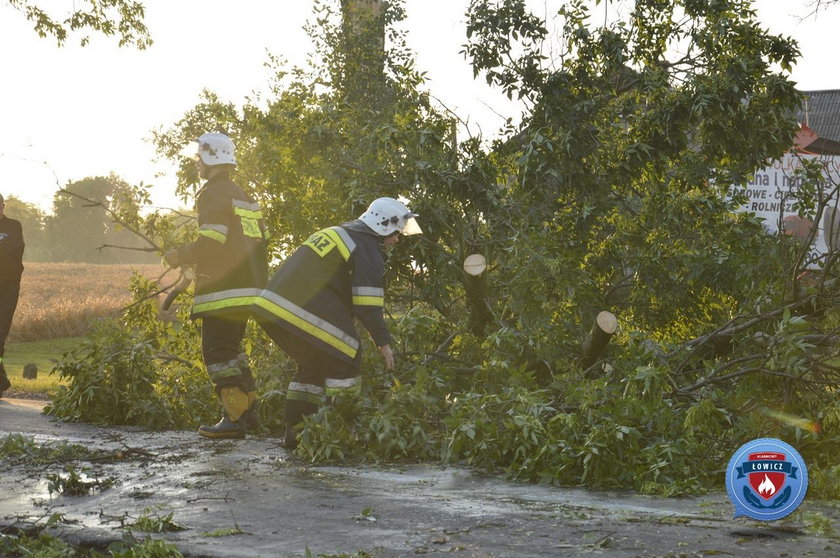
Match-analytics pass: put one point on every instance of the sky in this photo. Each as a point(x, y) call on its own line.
point(71, 112)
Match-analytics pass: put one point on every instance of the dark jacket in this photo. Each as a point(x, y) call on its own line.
point(335, 276)
point(229, 255)
point(11, 248)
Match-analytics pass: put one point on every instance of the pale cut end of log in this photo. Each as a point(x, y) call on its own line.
point(475, 264)
point(602, 330)
point(607, 322)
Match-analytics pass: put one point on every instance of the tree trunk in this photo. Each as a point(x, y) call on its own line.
point(602, 330)
point(364, 42)
point(476, 290)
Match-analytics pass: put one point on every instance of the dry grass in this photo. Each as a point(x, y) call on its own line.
point(64, 299)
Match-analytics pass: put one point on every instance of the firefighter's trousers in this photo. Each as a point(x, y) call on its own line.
point(9, 291)
point(319, 376)
point(221, 347)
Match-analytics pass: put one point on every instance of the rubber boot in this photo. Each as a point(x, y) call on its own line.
point(290, 442)
point(233, 424)
point(295, 411)
point(249, 386)
point(252, 415)
point(225, 429)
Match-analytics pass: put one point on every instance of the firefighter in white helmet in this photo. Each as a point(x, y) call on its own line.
point(229, 257)
point(309, 306)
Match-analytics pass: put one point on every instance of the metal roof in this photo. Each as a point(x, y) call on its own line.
point(820, 110)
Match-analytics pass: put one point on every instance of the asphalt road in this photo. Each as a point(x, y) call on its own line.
point(253, 499)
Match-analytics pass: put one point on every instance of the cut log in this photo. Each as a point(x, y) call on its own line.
point(475, 264)
point(477, 295)
point(602, 330)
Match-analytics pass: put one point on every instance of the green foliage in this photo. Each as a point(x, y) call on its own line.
point(818, 524)
point(40, 545)
point(112, 17)
point(365, 515)
point(574, 434)
point(32, 220)
point(393, 422)
point(73, 483)
point(153, 522)
point(16, 444)
point(111, 379)
point(610, 195)
point(94, 220)
point(21, 448)
point(140, 370)
point(225, 532)
point(147, 548)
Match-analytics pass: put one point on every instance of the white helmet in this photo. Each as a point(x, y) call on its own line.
point(387, 216)
point(216, 149)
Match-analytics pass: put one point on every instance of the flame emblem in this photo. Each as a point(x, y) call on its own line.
point(766, 488)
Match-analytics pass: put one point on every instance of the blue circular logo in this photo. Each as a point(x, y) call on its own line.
point(766, 479)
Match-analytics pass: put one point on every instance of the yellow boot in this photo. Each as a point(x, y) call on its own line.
point(233, 423)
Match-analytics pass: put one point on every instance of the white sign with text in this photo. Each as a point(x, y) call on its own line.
point(769, 197)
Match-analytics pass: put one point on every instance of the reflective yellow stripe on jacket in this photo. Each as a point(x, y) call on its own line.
point(215, 232)
point(308, 322)
point(249, 215)
point(323, 241)
point(368, 296)
point(230, 298)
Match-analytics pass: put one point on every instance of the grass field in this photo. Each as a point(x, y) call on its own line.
point(58, 304)
point(63, 299)
point(44, 355)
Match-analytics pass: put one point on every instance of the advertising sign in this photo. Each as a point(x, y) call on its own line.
point(771, 195)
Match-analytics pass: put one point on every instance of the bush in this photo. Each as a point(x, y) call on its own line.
point(137, 370)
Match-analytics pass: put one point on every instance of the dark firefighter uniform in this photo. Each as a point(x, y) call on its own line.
point(11, 268)
point(230, 270)
point(309, 306)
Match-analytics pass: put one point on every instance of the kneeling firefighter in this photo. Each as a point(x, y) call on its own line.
point(309, 306)
point(229, 258)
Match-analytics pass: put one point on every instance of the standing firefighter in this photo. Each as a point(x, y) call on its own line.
point(230, 269)
point(11, 268)
point(310, 304)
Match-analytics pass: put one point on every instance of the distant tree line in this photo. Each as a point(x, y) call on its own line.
point(77, 229)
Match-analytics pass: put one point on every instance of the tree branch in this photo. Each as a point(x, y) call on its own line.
point(743, 372)
point(729, 330)
point(148, 249)
point(114, 218)
point(172, 358)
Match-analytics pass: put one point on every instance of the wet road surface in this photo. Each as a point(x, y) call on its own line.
point(251, 498)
